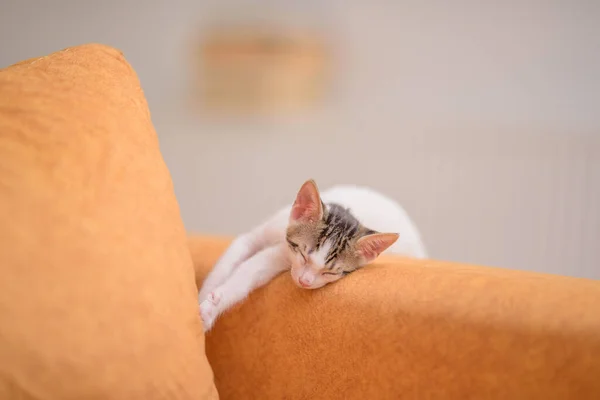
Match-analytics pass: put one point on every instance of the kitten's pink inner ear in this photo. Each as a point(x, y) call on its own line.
point(307, 206)
point(371, 246)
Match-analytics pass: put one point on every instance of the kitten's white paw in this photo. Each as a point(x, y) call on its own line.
point(208, 313)
point(214, 297)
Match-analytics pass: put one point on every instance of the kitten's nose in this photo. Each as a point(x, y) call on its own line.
point(303, 283)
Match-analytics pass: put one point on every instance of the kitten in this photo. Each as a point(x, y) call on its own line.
point(319, 238)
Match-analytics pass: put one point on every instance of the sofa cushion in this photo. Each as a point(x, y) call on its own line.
point(97, 296)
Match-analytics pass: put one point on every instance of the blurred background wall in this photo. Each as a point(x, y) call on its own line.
point(481, 118)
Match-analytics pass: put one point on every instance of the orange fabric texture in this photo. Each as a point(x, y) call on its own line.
point(97, 295)
point(403, 329)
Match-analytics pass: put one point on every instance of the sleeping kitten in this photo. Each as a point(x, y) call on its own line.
point(319, 238)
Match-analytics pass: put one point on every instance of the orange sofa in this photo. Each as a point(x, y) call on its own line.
point(99, 282)
point(403, 329)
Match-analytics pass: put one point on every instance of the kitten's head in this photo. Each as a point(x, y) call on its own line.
point(327, 242)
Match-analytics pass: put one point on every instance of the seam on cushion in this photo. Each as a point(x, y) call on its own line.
point(46, 56)
point(111, 51)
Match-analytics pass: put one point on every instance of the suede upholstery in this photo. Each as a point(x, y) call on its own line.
point(405, 329)
point(97, 296)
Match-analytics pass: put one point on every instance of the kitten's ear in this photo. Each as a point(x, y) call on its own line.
point(369, 247)
point(308, 206)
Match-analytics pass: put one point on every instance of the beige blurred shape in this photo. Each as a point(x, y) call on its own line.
point(259, 70)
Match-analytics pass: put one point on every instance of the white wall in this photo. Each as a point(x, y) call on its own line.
point(482, 118)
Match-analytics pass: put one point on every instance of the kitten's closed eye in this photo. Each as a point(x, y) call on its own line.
point(295, 248)
point(333, 273)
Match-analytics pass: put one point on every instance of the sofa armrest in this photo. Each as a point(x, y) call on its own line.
point(409, 329)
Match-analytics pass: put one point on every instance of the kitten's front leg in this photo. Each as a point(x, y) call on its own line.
point(253, 273)
point(238, 251)
point(242, 248)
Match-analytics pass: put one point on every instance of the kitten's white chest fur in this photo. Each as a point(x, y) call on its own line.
point(256, 257)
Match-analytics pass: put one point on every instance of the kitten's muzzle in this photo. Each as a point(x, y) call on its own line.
point(304, 283)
